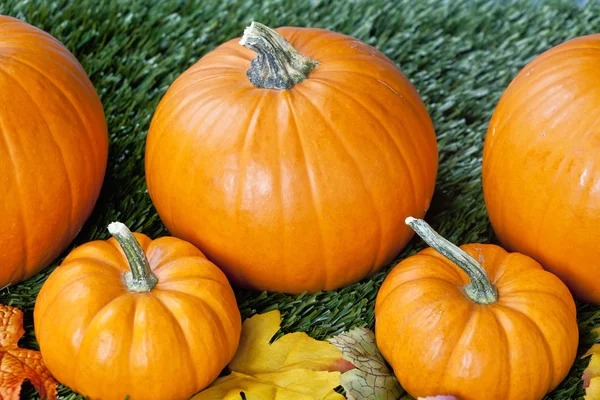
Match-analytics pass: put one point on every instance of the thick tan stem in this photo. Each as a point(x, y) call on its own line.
point(277, 64)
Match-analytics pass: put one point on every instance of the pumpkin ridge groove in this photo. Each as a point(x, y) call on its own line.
point(337, 58)
point(402, 157)
point(55, 47)
point(76, 362)
point(515, 105)
point(177, 157)
point(200, 101)
point(543, 58)
point(472, 312)
point(544, 215)
point(231, 49)
point(62, 93)
point(243, 161)
point(313, 192)
point(214, 316)
point(219, 69)
point(95, 261)
point(57, 294)
point(500, 126)
point(547, 346)
point(158, 267)
point(419, 309)
point(220, 103)
point(412, 281)
point(306, 47)
point(203, 101)
point(277, 137)
point(197, 95)
point(331, 83)
point(167, 281)
point(44, 42)
point(542, 293)
point(518, 95)
point(567, 50)
point(67, 175)
point(413, 106)
point(357, 167)
point(505, 338)
point(180, 333)
point(502, 138)
point(131, 336)
point(17, 180)
point(409, 316)
point(535, 95)
point(230, 61)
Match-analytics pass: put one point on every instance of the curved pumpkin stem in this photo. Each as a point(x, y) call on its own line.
point(140, 277)
point(277, 65)
point(480, 290)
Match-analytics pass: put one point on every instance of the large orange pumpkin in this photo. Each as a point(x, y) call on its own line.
point(475, 322)
point(541, 170)
point(53, 149)
point(154, 320)
point(293, 170)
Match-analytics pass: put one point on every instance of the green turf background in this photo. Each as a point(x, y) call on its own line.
point(460, 55)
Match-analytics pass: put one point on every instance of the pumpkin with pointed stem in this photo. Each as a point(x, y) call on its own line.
point(152, 319)
point(53, 149)
point(475, 322)
point(292, 158)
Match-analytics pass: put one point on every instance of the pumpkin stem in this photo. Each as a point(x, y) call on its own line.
point(277, 64)
point(480, 290)
point(139, 278)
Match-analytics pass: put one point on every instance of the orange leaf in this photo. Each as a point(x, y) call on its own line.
point(18, 365)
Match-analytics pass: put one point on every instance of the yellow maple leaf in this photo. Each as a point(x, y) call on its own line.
point(294, 367)
point(591, 375)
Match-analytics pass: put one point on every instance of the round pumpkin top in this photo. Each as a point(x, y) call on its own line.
point(164, 332)
point(541, 175)
point(442, 334)
point(53, 149)
point(293, 165)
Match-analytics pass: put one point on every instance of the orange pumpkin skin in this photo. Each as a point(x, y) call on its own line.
point(440, 342)
point(296, 189)
point(53, 149)
point(105, 342)
point(540, 164)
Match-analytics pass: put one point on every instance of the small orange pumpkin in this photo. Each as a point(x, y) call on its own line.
point(293, 170)
point(53, 149)
point(475, 322)
point(541, 164)
point(152, 319)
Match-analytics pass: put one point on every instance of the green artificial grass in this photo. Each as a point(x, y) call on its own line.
point(460, 55)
